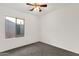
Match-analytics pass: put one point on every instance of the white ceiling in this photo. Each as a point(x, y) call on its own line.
point(22, 7)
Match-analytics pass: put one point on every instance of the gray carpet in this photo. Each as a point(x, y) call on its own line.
point(38, 49)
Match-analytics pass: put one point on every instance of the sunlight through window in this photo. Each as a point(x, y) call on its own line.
point(19, 21)
point(11, 19)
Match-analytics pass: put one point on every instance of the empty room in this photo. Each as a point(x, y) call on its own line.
point(39, 29)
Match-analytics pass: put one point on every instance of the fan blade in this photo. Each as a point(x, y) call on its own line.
point(40, 10)
point(43, 5)
point(28, 4)
point(32, 9)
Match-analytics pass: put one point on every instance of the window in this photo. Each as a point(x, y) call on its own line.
point(14, 27)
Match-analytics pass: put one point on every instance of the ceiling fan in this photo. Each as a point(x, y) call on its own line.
point(36, 6)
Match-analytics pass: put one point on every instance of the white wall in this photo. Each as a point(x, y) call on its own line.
point(61, 28)
point(31, 29)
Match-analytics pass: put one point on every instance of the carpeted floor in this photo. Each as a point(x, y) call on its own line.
point(38, 49)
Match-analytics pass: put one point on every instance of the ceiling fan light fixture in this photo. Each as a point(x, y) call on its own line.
point(36, 6)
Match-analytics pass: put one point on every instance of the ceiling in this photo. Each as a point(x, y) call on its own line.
point(22, 7)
